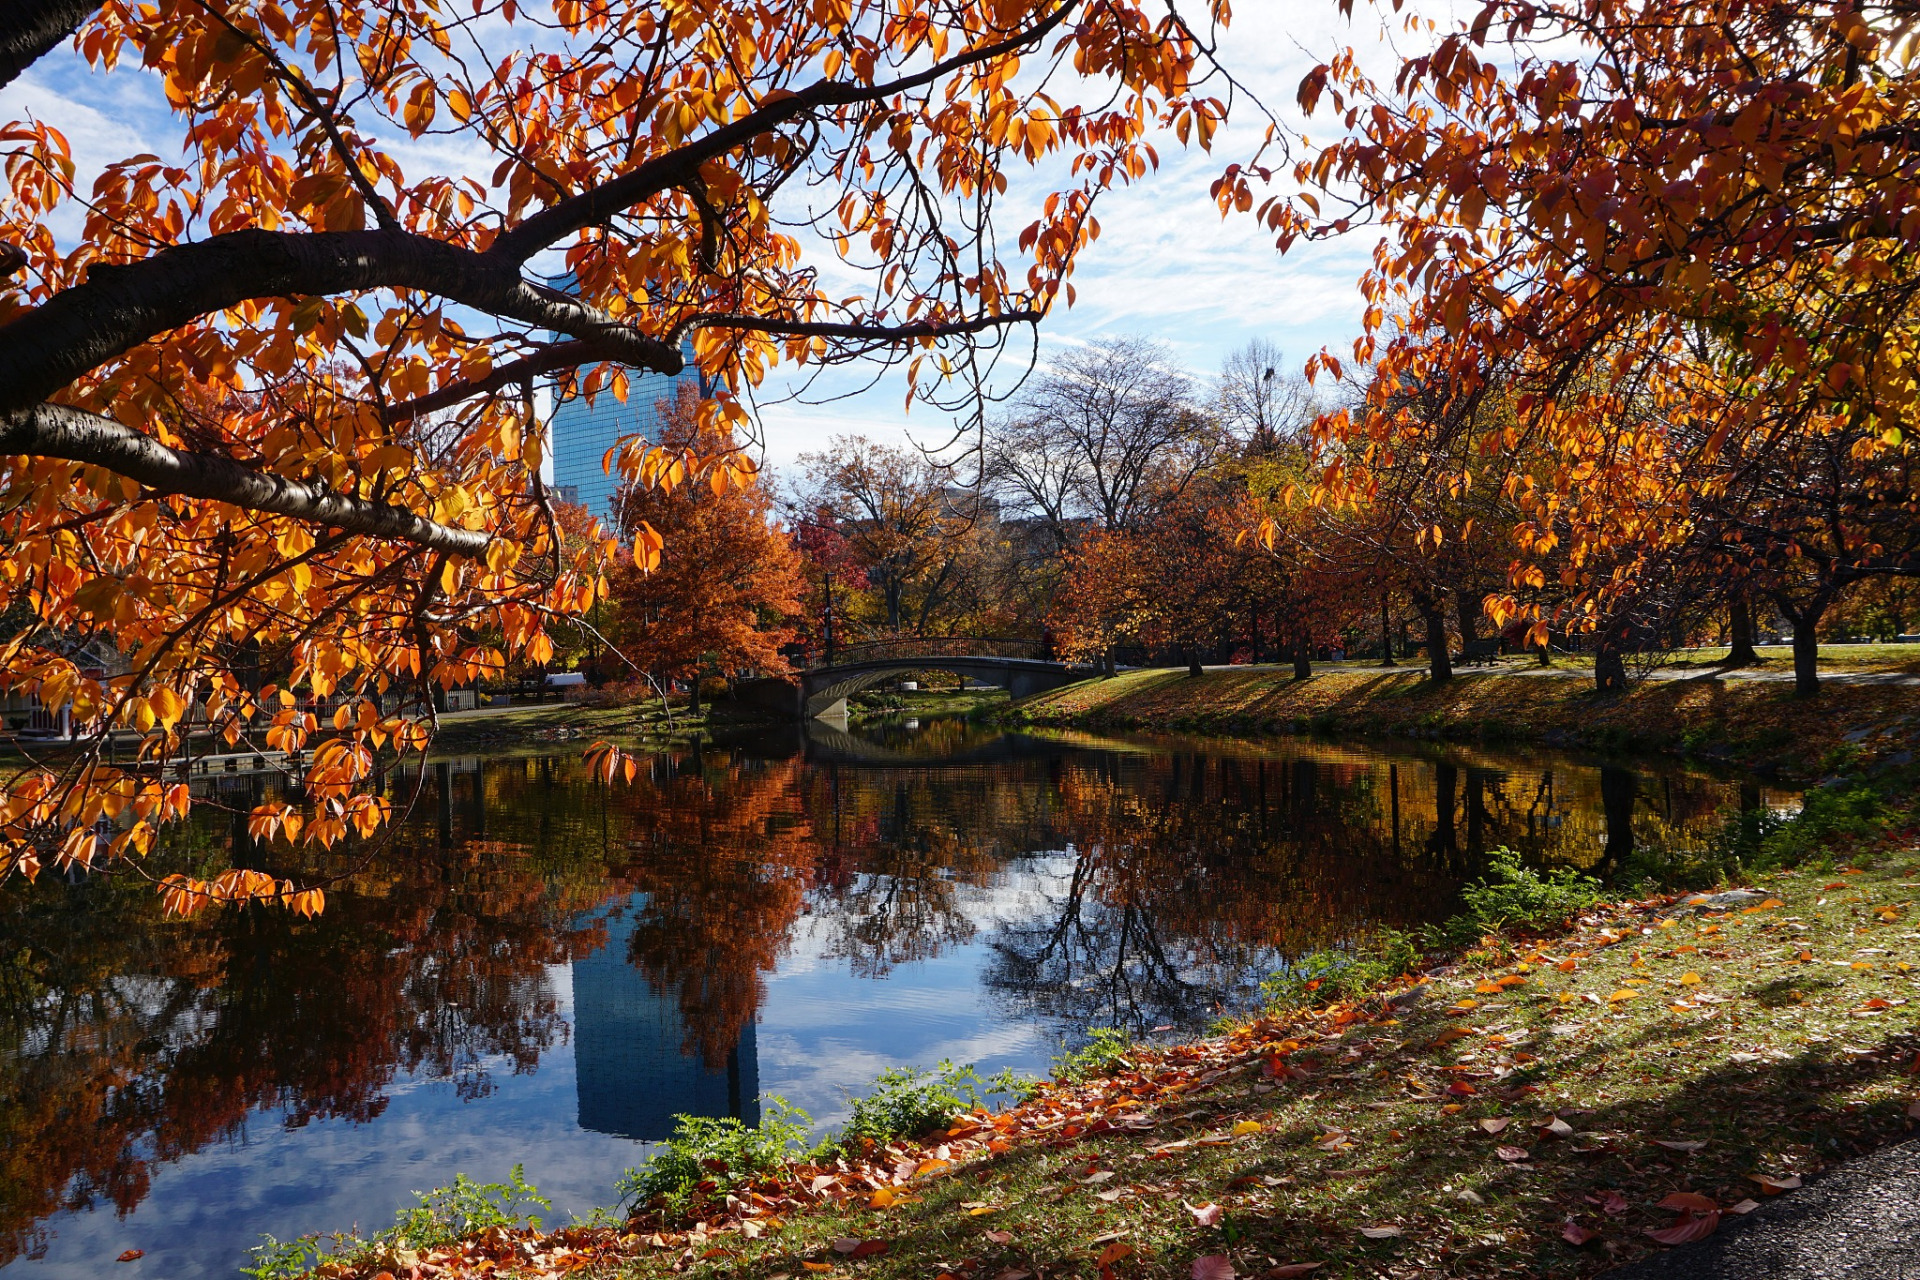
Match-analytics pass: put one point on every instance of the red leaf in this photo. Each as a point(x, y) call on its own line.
point(1686, 1229)
point(1460, 1088)
point(132, 1255)
point(1213, 1267)
point(1690, 1200)
point(1575, 1234)
point(1615, 1204)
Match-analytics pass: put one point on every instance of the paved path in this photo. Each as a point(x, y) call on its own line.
point(1860, 1221)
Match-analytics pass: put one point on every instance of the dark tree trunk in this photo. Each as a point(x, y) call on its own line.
point(1302, 659)
point(1609, 666)
point(693, 704)
point(1193, 660)
point(1617, 790)
point(1254, 655)
point(1740, 633)
point(1439, 661)
point(33, 27)
point(1467, 604)
point(1386, 634)
point(1107, 662)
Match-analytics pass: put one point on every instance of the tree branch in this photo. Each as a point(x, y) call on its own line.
point(74, 435)
point(31, 29)
point(120, 306)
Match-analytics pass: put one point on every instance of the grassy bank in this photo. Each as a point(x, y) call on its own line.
point(1556, 1082)
point(1751, 723)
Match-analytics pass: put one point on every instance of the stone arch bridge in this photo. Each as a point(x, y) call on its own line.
point(821, 692)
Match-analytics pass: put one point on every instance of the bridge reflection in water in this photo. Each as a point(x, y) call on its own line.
point(634, 1070)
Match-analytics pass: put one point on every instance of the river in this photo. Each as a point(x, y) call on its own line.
point(541, 970)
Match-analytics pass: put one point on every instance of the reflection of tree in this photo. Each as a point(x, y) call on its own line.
point(903, 905)
point(127, 1041)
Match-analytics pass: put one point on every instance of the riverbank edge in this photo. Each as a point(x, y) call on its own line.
point(1753, 725)
point(1203, 1141)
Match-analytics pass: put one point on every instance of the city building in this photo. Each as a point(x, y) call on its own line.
point(581, 433)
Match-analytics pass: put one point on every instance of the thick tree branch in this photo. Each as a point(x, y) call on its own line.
point(74, 435)
point(31, 28)
point(120, 306)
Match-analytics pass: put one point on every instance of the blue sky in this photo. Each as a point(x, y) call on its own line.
point(1166, 266)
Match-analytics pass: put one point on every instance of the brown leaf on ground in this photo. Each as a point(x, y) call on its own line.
point(1672, 1144)
point(1000, 1237)
point(1510, 1154)
point(1690, 1200)
point(854, 1248)
point(1575, 1234)
point(1495, 1125)
point(1382, 1233)
point(1207, 1215)
point(1615, 1204)
point(1687, 1228)
point(1774, 1186)
point(1214, 1266)
point(1114, 1252)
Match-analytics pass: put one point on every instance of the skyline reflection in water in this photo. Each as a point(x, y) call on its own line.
point(542, 970)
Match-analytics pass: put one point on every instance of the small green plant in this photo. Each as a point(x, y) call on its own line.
point(1512, 895)
point(1363, 964)
point(1104, 1052)
point(443, 1216)
point(447, 1214)
point(709, 1156)
point(908, 1102)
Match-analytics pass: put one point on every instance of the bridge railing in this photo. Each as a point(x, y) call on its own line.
point(894, 648)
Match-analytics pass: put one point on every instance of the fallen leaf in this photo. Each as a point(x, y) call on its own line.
point(1000, 1237)
point(1774, 1186)
point(1114, 1252)
point(1674, 1145)
point(1460, 1089)
point(1213, 1267)
point(817, 1266)
point(1382, 1233)
point(1557, 1127)
point(883, 1198)
point(821, 1182)
point(1291, 1269)
point(1744, 1207)
point(1567, 966)
point(1575, 1234)
point(132, 1255)
point(981, 1209)
point(1246, 1127)
point(1095, 1179)
point(1014, 1273)
point(1207, 1215)
point(1686, 1229)
point(1495, 1125)
point(1692, 1200)
point(1624, 993)
point(1689, 979)
point(1615, 1204)
point(1510, 1154)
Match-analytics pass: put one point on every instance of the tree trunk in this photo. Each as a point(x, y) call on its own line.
point(693, 704)
point(1386, 634)
point(35, 28)
point(1193, 660)
point(1740, 633)
point(1806, 651)
point(1467, 603)
point(1439, 661)
point(1302, 659)
point(1610, 662)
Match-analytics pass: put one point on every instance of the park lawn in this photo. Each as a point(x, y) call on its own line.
point(1753, 723)
point(1579, 1076)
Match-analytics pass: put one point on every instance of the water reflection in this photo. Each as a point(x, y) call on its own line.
point(786, 916)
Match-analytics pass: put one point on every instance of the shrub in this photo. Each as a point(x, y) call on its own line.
point(710, 1156)
point(908, 1102)
point(1514, 895)
point(1365, 963)
point(1104, 1053)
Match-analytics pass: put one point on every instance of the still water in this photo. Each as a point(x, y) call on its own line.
point(543, 971)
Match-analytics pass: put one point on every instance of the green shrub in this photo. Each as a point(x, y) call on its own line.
point(1104, 1053)
point(1367, 962)
point(443, 1216)
point(907, 1102)
point(1514, 895)
point(1844, 811)
point(709, 1156)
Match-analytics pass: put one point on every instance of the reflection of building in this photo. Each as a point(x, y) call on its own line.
point(633, 1077)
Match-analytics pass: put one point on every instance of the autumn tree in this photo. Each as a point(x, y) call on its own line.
point(276, 394)
point(1680, 234)
point(726, 584)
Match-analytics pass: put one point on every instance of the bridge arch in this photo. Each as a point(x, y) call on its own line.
point(824, 690)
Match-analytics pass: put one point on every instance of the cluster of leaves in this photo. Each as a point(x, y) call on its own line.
point(907, 1102)
point(1514, 895)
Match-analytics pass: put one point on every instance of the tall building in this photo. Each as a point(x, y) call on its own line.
point(581, 433)
point(632, 1074)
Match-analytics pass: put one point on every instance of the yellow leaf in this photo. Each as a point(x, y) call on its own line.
point(1625, 993)
point(1689, 979)
point(1246, 1127)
